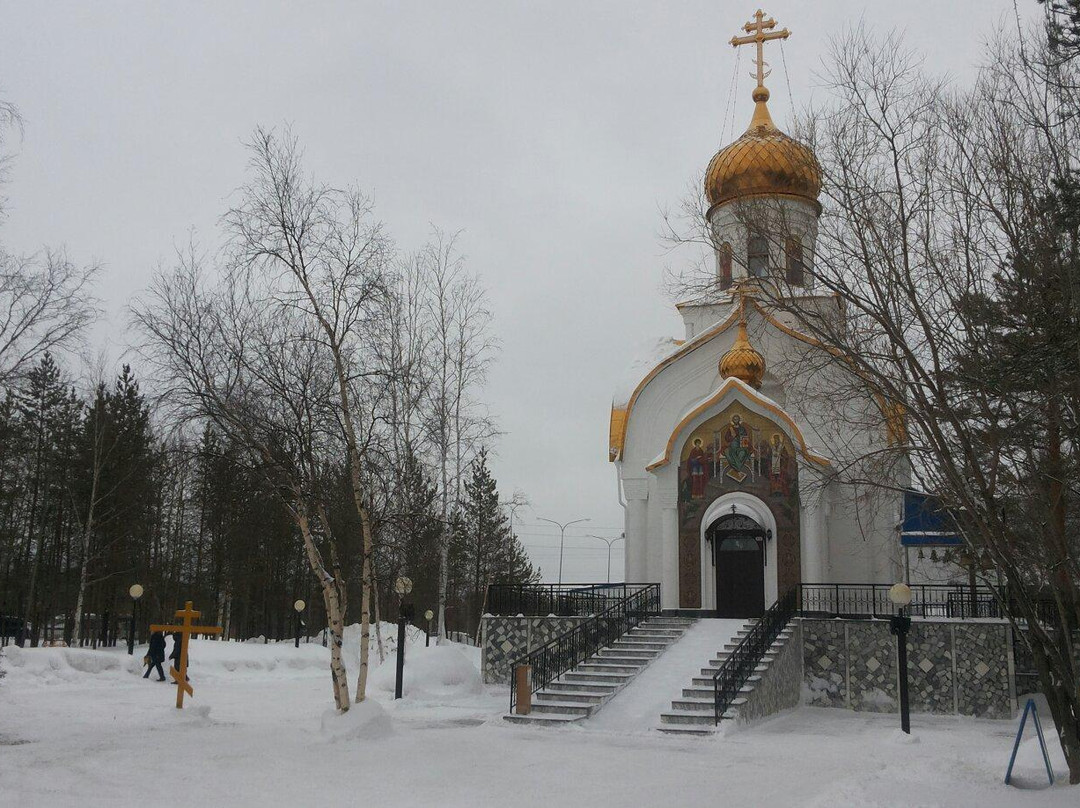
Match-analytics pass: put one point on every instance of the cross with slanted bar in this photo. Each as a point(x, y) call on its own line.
point(187, 614)
point(758, 36)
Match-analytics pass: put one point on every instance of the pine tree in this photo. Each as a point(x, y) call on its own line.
point(486, 551)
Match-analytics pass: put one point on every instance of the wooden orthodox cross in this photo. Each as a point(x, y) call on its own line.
point(757, 35)
point(186, 629)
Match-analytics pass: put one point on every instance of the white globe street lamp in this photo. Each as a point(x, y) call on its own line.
point(299, 607)
point(136, 592)
point(900, 595)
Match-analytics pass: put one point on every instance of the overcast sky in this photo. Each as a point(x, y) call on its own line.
point(550, 133)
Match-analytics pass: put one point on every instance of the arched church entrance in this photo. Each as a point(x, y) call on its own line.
point(740, 457)
point(738, 556)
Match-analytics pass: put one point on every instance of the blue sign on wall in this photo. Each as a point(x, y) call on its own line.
point(927, 523)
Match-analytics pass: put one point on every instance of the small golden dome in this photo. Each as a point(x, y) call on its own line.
point(763, 161)
point(742, 360)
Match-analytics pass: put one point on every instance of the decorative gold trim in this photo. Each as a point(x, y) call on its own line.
point(754, 396)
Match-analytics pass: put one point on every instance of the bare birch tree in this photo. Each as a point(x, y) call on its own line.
point(233, 354)
point(325, 256)
point(461, 350)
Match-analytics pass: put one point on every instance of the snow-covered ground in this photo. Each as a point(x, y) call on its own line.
point(81, 728)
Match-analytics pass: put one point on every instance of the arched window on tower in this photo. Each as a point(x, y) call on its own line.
point(796, 268)
point(757, 256)
point(725, 266)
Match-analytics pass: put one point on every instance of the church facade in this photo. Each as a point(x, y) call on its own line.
point(721, 444)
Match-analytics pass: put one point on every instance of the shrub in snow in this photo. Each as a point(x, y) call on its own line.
point(436, 673)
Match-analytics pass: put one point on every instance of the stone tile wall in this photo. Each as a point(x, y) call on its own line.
point(780, 685)
point(825, 662)
point(505, 639)
point(957, 667)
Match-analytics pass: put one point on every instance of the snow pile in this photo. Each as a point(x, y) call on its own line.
point(364, 721)
point(56, 665)
point(438, 673)
point(212, 658)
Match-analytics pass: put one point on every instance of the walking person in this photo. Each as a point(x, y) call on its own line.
point(174, 657)
point(155, 655)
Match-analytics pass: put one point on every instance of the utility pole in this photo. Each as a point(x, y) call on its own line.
point(562, 526)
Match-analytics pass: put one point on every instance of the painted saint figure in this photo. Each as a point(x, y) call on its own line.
point(695, 464)
point(737, 448)
point(775, 465)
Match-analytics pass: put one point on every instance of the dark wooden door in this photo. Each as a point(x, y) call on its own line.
point(740, 576)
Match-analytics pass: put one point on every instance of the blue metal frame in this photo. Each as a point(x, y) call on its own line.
point(1030, 708)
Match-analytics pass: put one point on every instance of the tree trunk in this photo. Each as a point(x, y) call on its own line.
point(334, 616)
point(365, 603)
point(444, 552)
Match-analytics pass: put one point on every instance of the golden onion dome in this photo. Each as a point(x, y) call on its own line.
point(763, 161)
point(742, 360)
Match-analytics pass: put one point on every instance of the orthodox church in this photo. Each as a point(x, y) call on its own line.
point(721, 444)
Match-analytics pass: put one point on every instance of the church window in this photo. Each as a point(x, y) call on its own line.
point(757, 256)
point(725, 266)
point(795, 266)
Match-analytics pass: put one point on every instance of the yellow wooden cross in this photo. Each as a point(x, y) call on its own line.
point(758, 36)
point(187, 614)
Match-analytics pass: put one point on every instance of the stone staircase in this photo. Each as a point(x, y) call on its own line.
point(580, 692)
point(695, 712)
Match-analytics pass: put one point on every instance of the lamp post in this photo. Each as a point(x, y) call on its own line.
point(562, 526)
point(298, 607)
point(136, 592)
point(403, 586)
point(900, 595)
point(608, 542)
point(429, 616)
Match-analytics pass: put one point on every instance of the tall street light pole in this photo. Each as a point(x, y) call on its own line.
point(608, 542)
point(562, 526)
point(900, 623)
point(135, 592)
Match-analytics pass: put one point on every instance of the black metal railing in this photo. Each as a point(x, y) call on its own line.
point(740, 664)
point(564, 600)
point(949, 601)
point(570, 649)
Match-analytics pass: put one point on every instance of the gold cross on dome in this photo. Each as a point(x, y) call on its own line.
point(759, 32)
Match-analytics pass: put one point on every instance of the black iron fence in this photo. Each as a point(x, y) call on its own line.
point(570, 649)
point(951, 601)
point(564, 600)
point(740, 664)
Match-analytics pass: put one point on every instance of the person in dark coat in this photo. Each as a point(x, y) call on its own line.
point(156, 655)
point(174, 657)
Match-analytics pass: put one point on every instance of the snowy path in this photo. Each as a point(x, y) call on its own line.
point(638, 706)
point(112, 740)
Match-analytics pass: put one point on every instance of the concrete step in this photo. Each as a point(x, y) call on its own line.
point(561, 707)
point(640, 645)
point(712, 669)
point(581, 696)
point(583, 687)
point(596, 678)
point(659, 633)
point(628, 653)
point(700, 719)
point(544, 719)
point(707, 681)
point(720, 659)
point(601, 666)
point(694, 705)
